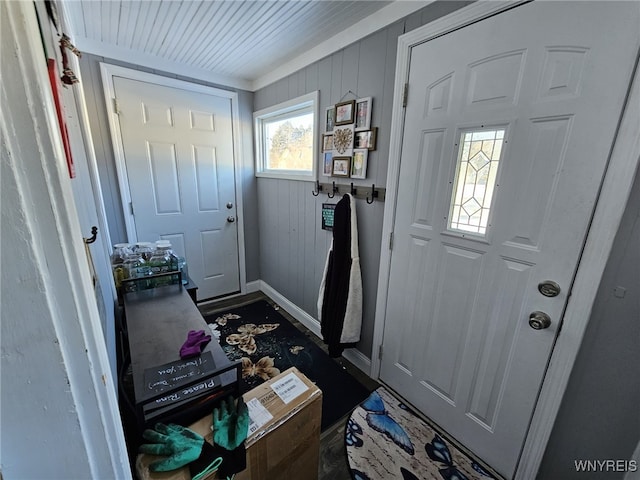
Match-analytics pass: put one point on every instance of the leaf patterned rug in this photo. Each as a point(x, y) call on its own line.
point(267, 344)
point(385, 440)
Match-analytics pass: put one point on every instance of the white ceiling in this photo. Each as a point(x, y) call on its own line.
point(242, 43)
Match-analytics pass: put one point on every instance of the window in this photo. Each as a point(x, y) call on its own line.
point(286, 139)
point(475, 181)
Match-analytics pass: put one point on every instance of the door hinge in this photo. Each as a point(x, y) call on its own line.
point(405, 94)
point(380, 352)
point(116, 107)
point(131, 207)
point(391, 241)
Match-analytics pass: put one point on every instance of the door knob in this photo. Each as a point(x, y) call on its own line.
point(231, 219)
point(539, 320)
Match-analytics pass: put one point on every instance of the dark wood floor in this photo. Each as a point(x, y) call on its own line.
point(333, 457)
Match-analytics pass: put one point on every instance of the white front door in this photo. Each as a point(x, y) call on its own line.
point(178, 149)
point(506, 137)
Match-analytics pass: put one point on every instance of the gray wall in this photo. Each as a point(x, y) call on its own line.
point(600, 414)
point(293, 247)
point(94, 94)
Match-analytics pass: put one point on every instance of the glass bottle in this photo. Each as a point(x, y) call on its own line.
point(145, 249)
point(118, 256)
point(165, 245)
point(159, 262)
point(135, 267)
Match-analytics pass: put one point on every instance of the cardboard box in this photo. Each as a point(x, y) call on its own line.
point(284, 438)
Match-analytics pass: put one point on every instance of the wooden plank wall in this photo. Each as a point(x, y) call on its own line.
point(293, 247)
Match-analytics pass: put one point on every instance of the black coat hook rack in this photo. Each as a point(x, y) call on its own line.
point(374, 194)
point(357, 191)
point(334, 190)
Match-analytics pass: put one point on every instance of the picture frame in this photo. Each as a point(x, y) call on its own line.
point(345, 112)
point(327, 164)
point(363, 114)
point(366, 139)
point(327, 142)
point(341, 167)
point(359, 163)
point(343, 140)
point(329, 119)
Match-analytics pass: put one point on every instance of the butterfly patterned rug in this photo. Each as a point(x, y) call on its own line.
point(385, 441)
point(267, 344)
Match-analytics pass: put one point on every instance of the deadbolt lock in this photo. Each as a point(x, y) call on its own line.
point(549, 288)
point(229, 205)
point(539, 320)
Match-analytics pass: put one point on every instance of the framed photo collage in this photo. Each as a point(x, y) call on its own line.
point(348, 138)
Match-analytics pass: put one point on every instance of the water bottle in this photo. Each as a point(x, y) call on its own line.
point(182, 266)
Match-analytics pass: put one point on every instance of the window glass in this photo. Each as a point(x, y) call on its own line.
point(476, 174)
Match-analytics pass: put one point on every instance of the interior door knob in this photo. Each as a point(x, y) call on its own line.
point(231, 219)
point(539, 320)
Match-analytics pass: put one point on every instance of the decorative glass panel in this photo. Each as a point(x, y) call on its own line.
point(475, 180)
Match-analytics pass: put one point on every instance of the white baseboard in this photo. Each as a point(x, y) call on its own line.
point(359, 359)
point(295, 311)
point(253, 287)
point(354, 355)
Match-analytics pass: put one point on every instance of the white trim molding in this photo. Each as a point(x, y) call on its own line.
point(614, 194)
point(615, 191)
point(303, 105)
point(378, 20)
point(157, 63)
point(355, 356)
point(296, 312)
point(108, 71)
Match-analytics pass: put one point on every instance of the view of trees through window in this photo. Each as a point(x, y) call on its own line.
point(290, 143)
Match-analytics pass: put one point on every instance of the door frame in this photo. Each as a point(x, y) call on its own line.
point(612, 199)
point(108, 71)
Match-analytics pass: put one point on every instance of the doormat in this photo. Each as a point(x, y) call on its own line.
point(267, 344)
point(386, 440)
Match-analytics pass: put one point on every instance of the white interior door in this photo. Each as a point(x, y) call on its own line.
point(507, 132)
point(178, 149)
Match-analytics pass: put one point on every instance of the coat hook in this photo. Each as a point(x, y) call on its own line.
point(92, 238)
point(318, 189)
point(374, 194)
point(334, 189)
point(354, 191)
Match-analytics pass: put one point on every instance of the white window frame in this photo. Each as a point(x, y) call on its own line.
point(304, 102)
